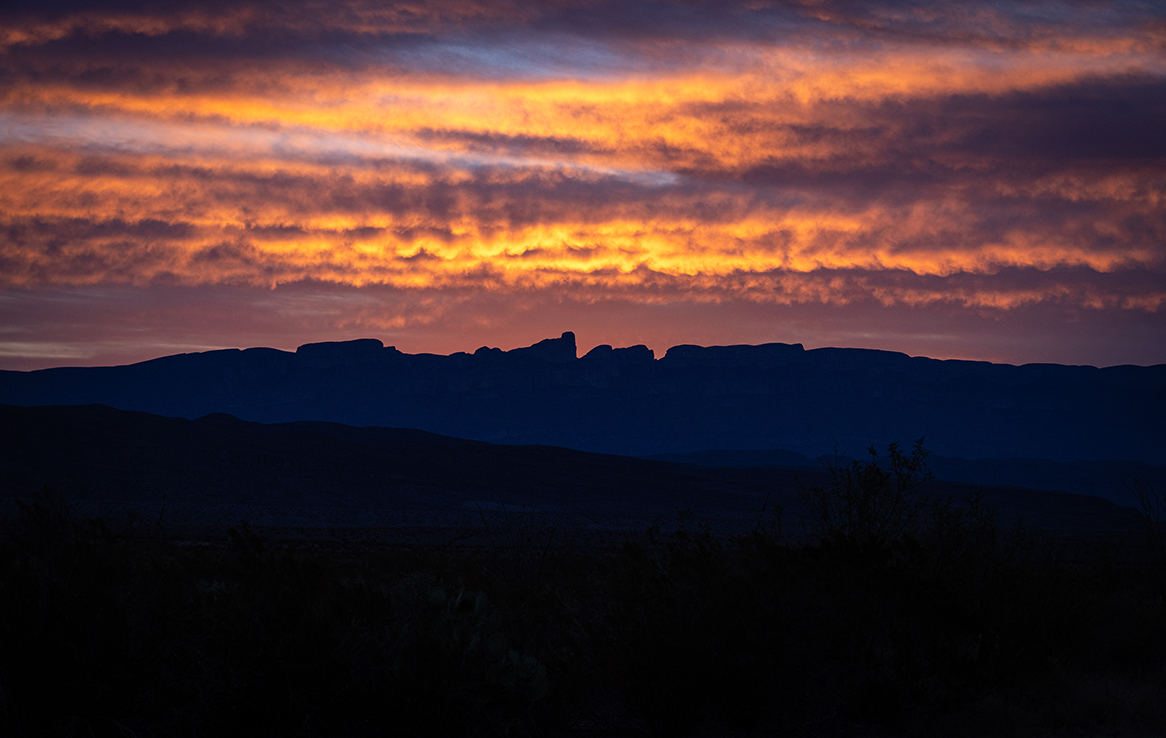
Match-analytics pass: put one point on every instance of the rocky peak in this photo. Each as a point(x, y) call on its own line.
point(554, 350)
point(346, 353)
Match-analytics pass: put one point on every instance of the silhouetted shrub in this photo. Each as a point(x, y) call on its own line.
point(869, 499)
point(1152, 505)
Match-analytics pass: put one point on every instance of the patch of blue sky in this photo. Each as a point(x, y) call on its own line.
point(514, 56)
point(214, 139)
point(44, 350)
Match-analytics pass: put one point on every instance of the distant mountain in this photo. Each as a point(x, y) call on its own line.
point(625, 401)
point(218, 470)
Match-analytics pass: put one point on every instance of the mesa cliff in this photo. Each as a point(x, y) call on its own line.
point(627, 401)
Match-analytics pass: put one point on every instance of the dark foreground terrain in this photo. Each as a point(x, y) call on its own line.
point(195, 477)
point(171, 577)
point(954, 627)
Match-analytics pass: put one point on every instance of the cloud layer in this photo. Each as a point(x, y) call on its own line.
point(991, 158)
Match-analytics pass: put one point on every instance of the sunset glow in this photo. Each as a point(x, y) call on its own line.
point(458, 173)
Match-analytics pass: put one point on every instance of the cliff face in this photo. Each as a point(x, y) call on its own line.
point(624, 400)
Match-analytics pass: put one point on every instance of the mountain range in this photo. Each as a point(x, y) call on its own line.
point(1090, 428)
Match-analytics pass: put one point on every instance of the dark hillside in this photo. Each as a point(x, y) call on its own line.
point(561, 614)
point(314, 474)
point(1108, 479)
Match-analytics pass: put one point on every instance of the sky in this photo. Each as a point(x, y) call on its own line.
point(975, 180)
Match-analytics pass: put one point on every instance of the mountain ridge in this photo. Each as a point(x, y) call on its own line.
point(626, 401)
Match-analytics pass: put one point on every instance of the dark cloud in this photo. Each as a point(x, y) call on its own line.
point(421, 255)
point(30, 164)
point(351, 30)
point(501, 143)
point(1117, 119)
point(234, 255)
point(1114, 123)
point(70, 229)
point(93, 166)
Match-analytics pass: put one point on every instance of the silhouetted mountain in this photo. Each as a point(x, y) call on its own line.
point(627, 402)
point(313, 474)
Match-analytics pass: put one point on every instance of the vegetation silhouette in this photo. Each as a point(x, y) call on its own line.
point(947, 625)
point(1152, 504)
point(869, 500)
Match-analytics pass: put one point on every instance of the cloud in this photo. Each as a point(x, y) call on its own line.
point(981, 22)
point(984, 158)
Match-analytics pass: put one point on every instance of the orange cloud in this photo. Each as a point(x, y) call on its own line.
point(782, 155)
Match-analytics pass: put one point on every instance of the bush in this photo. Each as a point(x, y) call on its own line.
point(869, 500)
